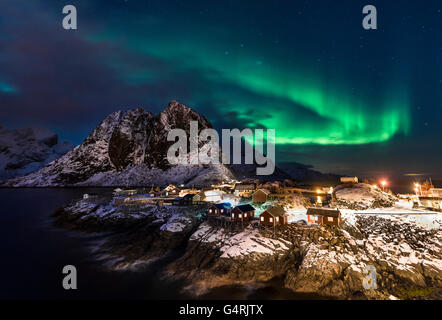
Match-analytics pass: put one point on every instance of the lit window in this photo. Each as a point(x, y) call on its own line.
point(222, 210)
point(271, 219)
point(262, 218)
point(277, 219)
point(245, 215)
point(210, 210)
point(240, 215)
point(330, 219)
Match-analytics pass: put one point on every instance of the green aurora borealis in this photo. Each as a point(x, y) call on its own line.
point(335, 117)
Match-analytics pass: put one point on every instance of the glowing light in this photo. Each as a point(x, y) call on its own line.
point(417, 188)
point(384, 183)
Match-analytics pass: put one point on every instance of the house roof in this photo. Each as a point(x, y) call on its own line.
point(276, 211)
point(267, 192)
point(245, 208)
point(223, 205)
point(323, 212)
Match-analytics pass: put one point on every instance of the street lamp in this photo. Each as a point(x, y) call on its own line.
point(418, 189)
point(383, 183)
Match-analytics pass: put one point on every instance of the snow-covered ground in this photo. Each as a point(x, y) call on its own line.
point(241, 244)
point(296, 215)
point(401, 211)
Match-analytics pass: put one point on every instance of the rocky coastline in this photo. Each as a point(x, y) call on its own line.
point(327, 261)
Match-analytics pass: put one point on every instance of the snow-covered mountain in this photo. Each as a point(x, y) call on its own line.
point(128, 148)
point(25, 150)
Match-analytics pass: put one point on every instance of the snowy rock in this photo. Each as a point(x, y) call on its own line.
point(361, 196)
point(144, 233)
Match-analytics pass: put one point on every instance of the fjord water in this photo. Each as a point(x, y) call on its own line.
point(34, 252)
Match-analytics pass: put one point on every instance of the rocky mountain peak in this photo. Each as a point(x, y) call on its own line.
point(176, 107)
point(125, 149)
point(178, 115)
point(128, 142)
point(104, 130)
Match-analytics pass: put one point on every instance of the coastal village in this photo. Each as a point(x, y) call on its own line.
point(317, 238)
point(272, 204)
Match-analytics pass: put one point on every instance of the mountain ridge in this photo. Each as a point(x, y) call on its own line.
point(124, 142)
point(25, 150)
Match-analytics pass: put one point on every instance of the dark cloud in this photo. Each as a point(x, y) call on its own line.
point(68, 82)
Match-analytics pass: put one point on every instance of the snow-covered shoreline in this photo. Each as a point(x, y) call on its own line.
point(401, 243)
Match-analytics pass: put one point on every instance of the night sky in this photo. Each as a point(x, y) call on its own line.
point(341, 98)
